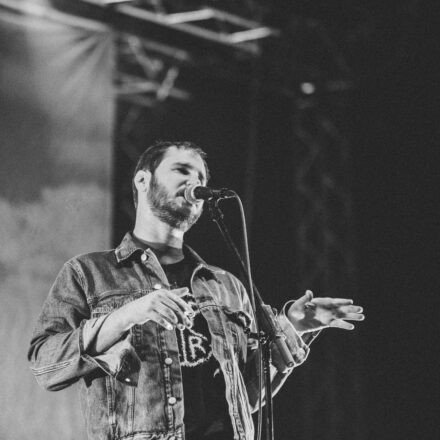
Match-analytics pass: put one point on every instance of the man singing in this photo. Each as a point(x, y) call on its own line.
point(159, 338)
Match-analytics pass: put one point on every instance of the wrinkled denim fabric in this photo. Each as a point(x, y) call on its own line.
point(129, 391)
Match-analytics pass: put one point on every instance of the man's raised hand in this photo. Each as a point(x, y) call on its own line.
point(309, 314)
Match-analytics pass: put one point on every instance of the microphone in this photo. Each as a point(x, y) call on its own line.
point(195, 193)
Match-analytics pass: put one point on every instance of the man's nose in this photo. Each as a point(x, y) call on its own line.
point(193, 180)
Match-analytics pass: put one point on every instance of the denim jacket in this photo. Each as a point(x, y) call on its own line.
point(134, 389)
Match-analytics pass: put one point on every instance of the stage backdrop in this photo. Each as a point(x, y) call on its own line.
point(56, 108)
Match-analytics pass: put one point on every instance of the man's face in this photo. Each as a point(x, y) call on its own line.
point(178, 169)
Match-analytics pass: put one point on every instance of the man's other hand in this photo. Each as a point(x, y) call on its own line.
point(308, 314)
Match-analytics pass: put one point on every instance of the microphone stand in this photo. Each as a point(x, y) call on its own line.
point(270, 332)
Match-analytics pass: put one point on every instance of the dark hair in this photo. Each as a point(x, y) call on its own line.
point(151, 158)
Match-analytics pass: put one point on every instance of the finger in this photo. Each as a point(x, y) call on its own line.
point(182, 304)
point(168, 313)
point(178, 308)
point(342, 301)
point(175, 302)
point(164, 321)
point(351, 309)
point(334, 302)
point(353, 317)
point(177, 295)
point(171, 319)
point(339, 323)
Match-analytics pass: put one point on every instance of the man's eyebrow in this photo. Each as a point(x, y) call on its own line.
point(202, 177)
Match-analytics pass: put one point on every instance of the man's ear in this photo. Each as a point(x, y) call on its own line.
point(142, 180)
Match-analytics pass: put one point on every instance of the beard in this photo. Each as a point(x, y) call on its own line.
point(167, 209)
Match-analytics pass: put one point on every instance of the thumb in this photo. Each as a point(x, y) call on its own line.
point(308, 296)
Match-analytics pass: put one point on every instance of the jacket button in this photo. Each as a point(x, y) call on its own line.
point(172, 400)
point(143, 257)
point(168, 361)
point(157, 286)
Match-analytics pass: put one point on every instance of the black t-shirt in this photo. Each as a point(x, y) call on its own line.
point(206, 410)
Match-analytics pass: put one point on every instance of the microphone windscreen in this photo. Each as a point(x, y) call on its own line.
point(189, 194)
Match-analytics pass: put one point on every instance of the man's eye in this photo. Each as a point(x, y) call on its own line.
point(183, 170)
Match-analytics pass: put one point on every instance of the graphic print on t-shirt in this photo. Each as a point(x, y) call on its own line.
point(194, 342)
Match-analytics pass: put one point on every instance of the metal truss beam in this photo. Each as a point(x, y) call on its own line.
point(206, 24)
point(147, 72)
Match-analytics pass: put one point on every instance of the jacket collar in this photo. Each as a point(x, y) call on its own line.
point(128, 248)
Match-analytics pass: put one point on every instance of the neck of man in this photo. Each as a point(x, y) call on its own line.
point(165, 241)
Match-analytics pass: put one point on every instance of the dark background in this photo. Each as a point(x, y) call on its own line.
point(396, 198)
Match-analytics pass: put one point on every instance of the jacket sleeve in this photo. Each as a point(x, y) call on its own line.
point(59, 351)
